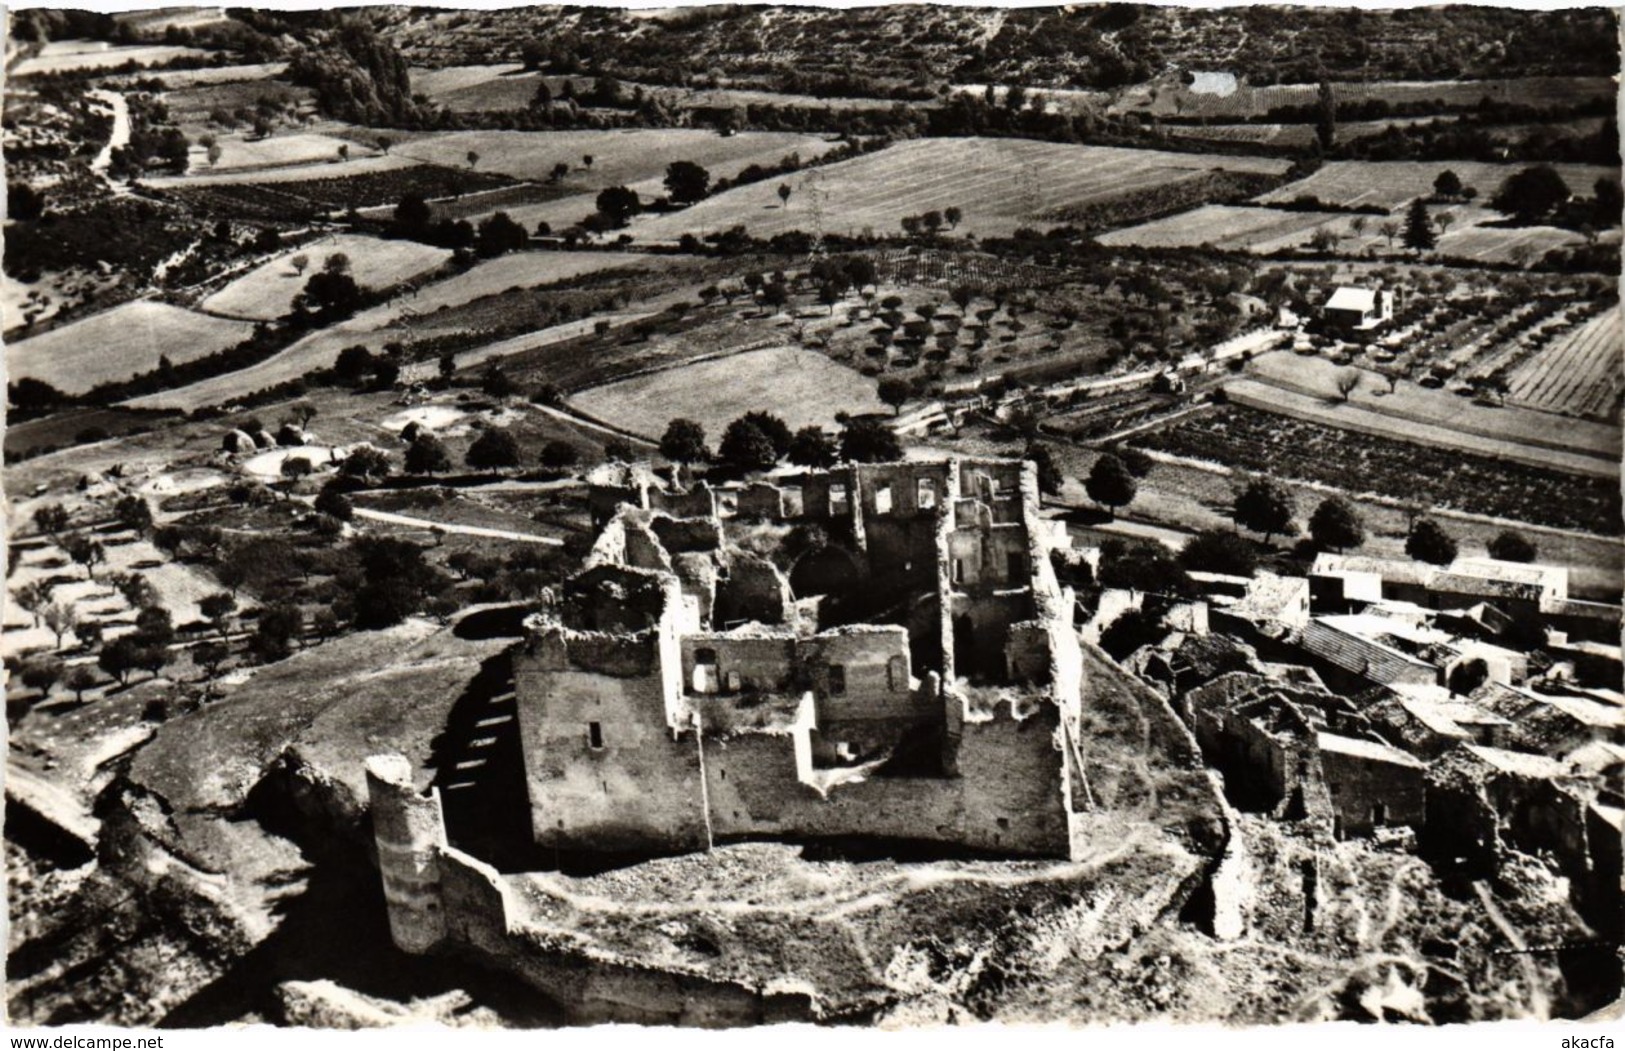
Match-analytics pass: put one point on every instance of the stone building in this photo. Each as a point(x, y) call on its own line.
point(876, 651)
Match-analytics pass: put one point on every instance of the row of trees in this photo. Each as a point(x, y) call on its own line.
point(1265, 506)
point(757, 441)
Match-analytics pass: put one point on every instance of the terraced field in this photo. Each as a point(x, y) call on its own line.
point(119, 343)
point(1226, 226)
point(60, 56)
point(267, 292)
point(1582, 374)
point(237, 154)
point(623, 156)
point(805, 388)
point(1392, 184)
point(1166, 100)
point(999, 185)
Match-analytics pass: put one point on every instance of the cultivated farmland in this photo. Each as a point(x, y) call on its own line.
point(807, 389)
point(1254, 440)
point(61, 56)
point(267, 292)
point(515, 270)
point(999, 184)
point(1421, 406)
point(237, 154)
point(1581, 374)
point(291, 172)
point(619, 157)
point(1225, 226)
point(119, 343)
point(1169, 100)
point(1392, 184)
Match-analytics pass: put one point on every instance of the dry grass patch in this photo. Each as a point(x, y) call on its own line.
point(268, 291)
point(116, 344)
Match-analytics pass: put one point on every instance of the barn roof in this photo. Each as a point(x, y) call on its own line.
point(1361, 300)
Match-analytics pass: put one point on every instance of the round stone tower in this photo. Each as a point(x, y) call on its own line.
point(409, 831)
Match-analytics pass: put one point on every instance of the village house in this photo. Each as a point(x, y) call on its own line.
point(1354, 309)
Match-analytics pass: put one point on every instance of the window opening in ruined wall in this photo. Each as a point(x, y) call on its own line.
point(925, 494)
point(883, 500)
point(595, 735)
point(837, 680)
point(705, 671)
point(837, 499)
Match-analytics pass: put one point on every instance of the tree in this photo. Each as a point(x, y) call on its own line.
point(1428, 542)
point(427, 455)
point(586, 158)
point(1418, 227)
point(1110, 484)
point(137, 590)
point(1607, 203)
point(746, 447)
point(684, 442)
point(1347, 382)
point(1448, 184)
point(210, 656)
point(1389, 230)
point(86, 552)
point(473, 158)
point(496, 382)
point(1530, 194)
point(1325, 115)
point(868, 440)
point(499, 234)
point(218, 608)
point(344, 151)
point(617, 204)
point(60, 618)
point(384, 143)
point(293, 469)
point(213, 153)
point(1336, 524)
point(34, 596)
point(1219, 551)
point(278, 626)
point(953, 215)
point(1265, 507)
point(79, 679)
point(413, 212)
point(811, 447)
point(353, 364)
point(1510, 546)
point(366, 463)
point(299, 263)
point(51, 519)
point(687, 182)
point(543, 98)
point(41, 675)
point(493, 450)
point(1049, 473)
point(1142, 565)
point(333, 502)
point(895, 391)
point(119, 658)
point(784, 195)
point(133, 513)
point(557, 455)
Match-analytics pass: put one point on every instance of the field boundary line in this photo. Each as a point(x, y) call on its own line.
point(1226, 471)
point(1381, 409)
point(1423, 434)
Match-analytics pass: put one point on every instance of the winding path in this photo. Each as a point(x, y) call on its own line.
point(449, 527)
point(119, 137)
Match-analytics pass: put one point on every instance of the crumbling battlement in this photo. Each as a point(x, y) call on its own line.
point(676, 692)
